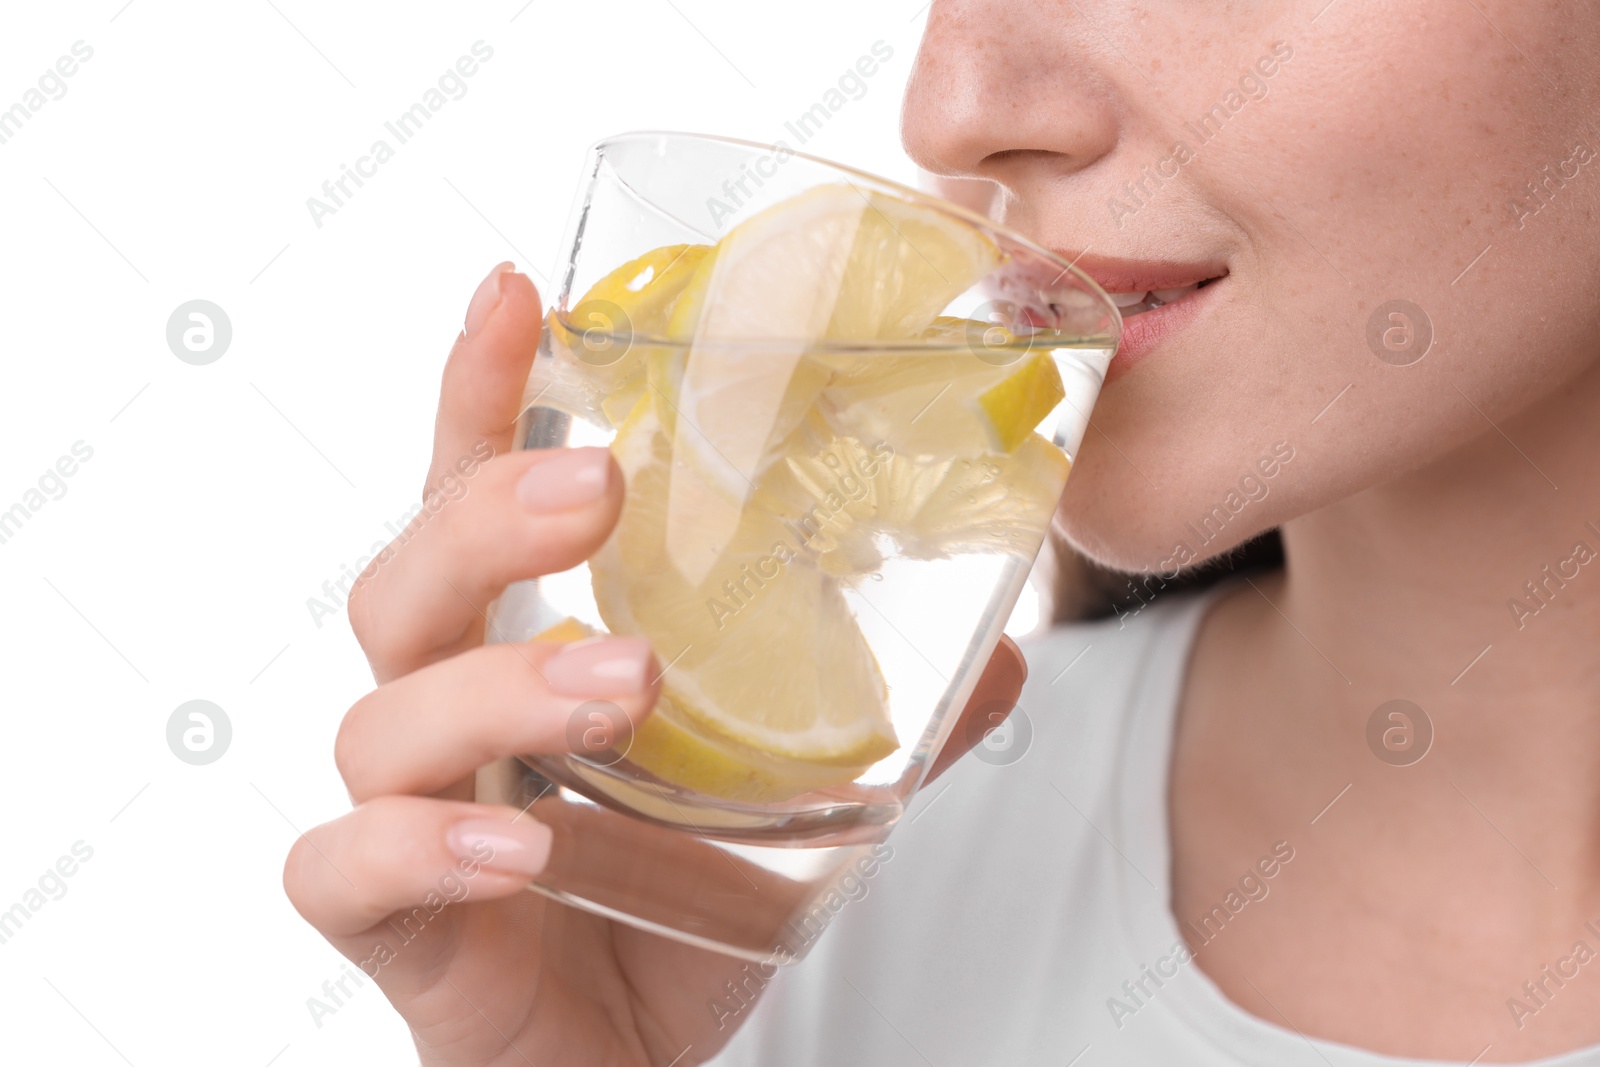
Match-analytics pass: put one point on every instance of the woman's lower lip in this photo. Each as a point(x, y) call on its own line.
point(1143, 332)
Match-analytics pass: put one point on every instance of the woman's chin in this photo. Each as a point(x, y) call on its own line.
point(1123, 532)
point(1106, 542)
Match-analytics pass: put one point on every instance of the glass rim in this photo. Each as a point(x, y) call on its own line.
point(1005, 235)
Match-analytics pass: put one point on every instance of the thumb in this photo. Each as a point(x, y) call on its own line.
point(992, 700)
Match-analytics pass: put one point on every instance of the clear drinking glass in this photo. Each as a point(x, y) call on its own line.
point(845, 429)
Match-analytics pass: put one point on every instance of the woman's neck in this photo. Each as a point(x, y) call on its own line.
point(1471, 588)
point(1466, 864)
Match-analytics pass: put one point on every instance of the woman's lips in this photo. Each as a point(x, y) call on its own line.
point(1142, 332)
point(1143, 275)
point(1157, 299)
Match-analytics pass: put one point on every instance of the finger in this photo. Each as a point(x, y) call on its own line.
point(391, 853)
point(992, 700)
point(531, 513)
point(430, 728)
point(484, 376)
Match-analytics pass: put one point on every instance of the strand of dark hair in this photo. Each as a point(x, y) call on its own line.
point(1081, 589)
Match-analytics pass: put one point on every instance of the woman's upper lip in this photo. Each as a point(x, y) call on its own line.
point(1116, 275)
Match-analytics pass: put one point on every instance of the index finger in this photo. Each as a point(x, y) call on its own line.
point(481, 388)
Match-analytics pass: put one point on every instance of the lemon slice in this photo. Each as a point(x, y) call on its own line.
point(749, 711)
point(906, 264)
point(755, 307)
point(601, 374)
point(851, 498)
point(834, 263)
point(1020, 401)
point(647, 289)
point(941, 404)
point(670, 746)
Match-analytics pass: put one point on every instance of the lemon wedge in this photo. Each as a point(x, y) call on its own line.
point(1020, 401)
point(599, 351)
point(941, 404)
point(671, 746)
point(834, 263)
point(748, 709)
point(852, 498)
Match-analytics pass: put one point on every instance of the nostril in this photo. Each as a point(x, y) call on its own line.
point(1020, 101)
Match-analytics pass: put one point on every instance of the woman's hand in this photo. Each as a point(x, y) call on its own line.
point(420, 886)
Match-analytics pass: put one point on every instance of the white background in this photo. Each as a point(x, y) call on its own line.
point(219, 498)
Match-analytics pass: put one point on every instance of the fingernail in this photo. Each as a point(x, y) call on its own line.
point(487, 298)
point(521, 847)
point(569, 479)
point(601, 667)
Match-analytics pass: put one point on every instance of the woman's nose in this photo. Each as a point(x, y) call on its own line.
point(1012, 91)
